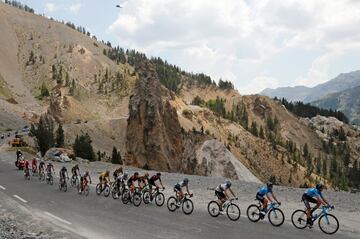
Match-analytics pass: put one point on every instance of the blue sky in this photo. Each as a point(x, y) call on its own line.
point(254, 43)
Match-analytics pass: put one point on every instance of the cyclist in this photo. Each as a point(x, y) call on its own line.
point(84, 181)
point(18, 154)
point(263, 195)
point(313, 195)
point(75, 171)
point(152, 181)
point(223, 192)
point(132, 180)
point(144, 180)
point(117, 172)
point(34, 165)
point(26, 167)
point(178, 189)
point(104, 177)
point(120, 181)
point(41, 167)
point(62, 173)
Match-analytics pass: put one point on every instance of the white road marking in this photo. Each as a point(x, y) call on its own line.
point(58, 218)
point(3, 188)
point(21, 199)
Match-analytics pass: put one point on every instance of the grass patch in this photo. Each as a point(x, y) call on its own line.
point(5, 93)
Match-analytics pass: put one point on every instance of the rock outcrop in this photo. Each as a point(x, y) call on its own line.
point(153, 133)
point(214, 159)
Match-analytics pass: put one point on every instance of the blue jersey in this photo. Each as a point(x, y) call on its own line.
point(263, 191)
point(313, 192)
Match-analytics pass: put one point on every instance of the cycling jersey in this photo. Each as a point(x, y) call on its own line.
point(49, 167)
point(26, 164)
point(264, 191)
point(74, 170)
point(153, 179)
point(121, 178)
point(221, 188)
point(34, 163)
point(132, 179)
point(313, 192)
point(180, 184)
point(104, 175)
point(62, 172)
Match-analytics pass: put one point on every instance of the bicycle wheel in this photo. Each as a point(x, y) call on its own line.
point(172, 204)
point(107, 191)
point(214, 209)
point(137, 199)
point(276, 217)
point(72, 182)
point(51, 180)
point(253, 213)
point(114, 193)
point(299, 219)
point(328, 224)
point(86, 190)
point(187, 206)
point(125, 198)
point(233, 212)
point(146, 197)
point(159, 199)
point(98, 189)
point(65, 187)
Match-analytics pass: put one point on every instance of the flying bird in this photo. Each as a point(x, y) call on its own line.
point(119, 6)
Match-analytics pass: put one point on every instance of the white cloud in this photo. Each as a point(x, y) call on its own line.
point(50, 7)
point(238, 38)
point(259, 83)
point(74, 8)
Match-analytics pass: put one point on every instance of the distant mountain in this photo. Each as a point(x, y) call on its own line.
point(347, 101)
point(340, 83)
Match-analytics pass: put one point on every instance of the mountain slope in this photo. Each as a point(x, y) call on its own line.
point(300, 93)
point(347, 101)
point(147, 109)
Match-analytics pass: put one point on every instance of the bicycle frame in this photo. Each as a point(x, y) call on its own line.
point(324, 211)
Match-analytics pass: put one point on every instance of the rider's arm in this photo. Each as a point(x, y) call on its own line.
point(232, 192)
point(276, 200)
point(187, 189)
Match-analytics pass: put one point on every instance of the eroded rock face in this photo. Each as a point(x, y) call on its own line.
point(154, 133)
point(214, 159)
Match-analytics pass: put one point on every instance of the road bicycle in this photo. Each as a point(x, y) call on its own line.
point(84, 188)
point(328, 223)
point(155, 194)
point(103, 189)
point(186, 204)
point(275, 214)
point(74, 182)
point(27, 174)
point(49, 178)
point(116, 192)
point(63, 184)
point(34, 171)
point(232, 210)
point(41, 175)
point(134, 197)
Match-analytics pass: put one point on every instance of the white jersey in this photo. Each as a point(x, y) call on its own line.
point(221, 188)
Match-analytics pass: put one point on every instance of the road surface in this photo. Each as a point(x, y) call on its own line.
point(99, 217)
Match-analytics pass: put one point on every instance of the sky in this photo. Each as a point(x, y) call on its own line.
point(256, 44)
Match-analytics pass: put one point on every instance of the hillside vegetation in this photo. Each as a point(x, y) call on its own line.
point(159, 116)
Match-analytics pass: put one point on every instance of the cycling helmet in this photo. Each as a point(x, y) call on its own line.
point(269, 184)
point(228, 183)
point(146, 174)
point(107, 172)
point(126, 174)
point(186, 180)
point(136, 174)
point(63, 168)
point(77, 166)
point(158, 174)
point(319, 186)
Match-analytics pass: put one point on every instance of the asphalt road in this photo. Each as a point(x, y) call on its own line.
point(99, 217)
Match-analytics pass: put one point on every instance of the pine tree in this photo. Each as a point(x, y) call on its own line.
point(43, 133)
point(83, 148)
point(254, 129)
point(44, 92)
point(261, 133)
point(60, 138)
point(116, 156)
